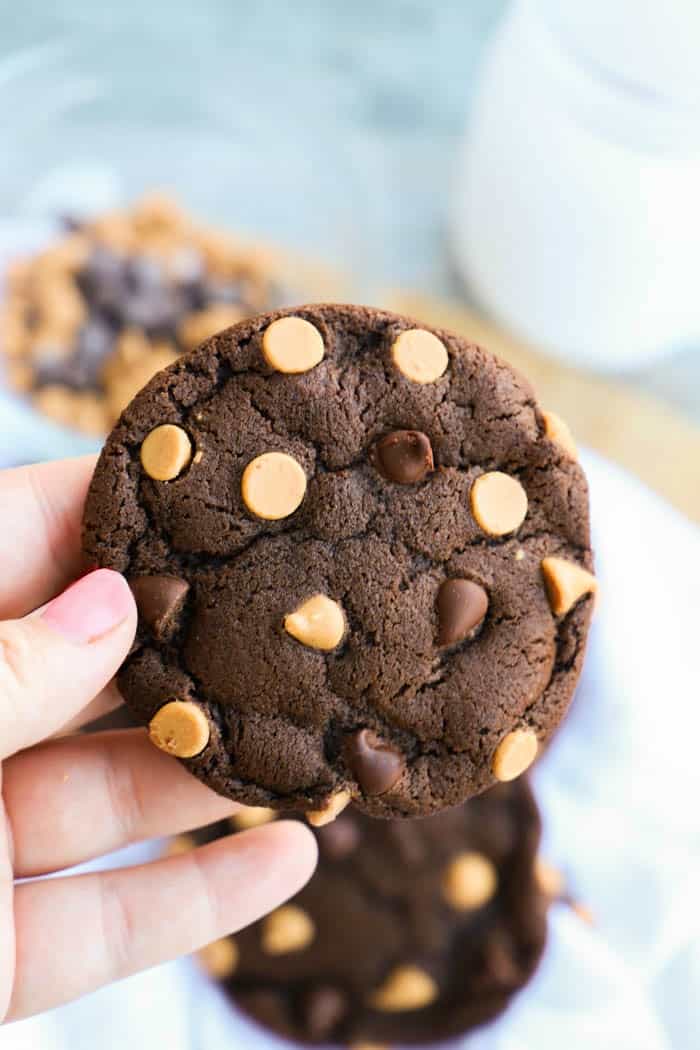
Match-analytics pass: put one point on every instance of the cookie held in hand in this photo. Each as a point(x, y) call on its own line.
point(370, 557)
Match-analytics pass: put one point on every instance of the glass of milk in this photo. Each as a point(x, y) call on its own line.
point(577, 212)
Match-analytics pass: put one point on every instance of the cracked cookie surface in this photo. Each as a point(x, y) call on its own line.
point(408, 932)
point(346, 529)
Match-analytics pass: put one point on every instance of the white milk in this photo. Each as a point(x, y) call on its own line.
point(577, 213)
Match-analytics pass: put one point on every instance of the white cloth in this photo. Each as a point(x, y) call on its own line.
point(619, 793)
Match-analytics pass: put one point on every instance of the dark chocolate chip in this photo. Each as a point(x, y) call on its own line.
point(322, 1010)
point(338, 839)
point(220, 292)
point(500, 965)
point(144, 274)
point(156, 309)
point(376, 766)
point(404, 456)
point(461, 607)
point(159, 600)
point(103, 281)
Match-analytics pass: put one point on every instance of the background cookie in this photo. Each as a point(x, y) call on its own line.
point(361, 558)
point(410, 931)
point(88, 321)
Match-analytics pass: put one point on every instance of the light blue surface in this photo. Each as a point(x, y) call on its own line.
point(26, 437)
point(329, 125)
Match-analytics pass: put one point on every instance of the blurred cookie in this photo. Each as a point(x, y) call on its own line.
point(86, 323)
point(362, 565)
point(409, 932)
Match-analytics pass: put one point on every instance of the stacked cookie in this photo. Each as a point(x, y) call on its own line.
point(361, 556)
point(87, 322)
point(409, 932)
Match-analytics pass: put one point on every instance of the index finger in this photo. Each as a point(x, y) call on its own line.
point(40, 552)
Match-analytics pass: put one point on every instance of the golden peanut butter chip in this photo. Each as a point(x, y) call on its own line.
point(419, 355)
point(583, 912)
point(406, 988)
point(220, 958)
point(335, 805)
point(558, 431)
point(566, 583)
point(181, 728)
point(273, 485)
point(292, 345)
point(498, 502)
point(165, 452)
point(178, 845)
point(288, 929)
point(252, 817)
point(469, 881)
point(549, 879)
point(515, 753)
point(318, 623)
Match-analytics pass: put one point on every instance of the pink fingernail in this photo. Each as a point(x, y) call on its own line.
point(91, 607)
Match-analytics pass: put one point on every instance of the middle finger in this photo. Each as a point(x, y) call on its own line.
point(75, 798)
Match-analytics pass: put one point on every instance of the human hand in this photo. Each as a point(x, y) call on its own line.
point(71, 798)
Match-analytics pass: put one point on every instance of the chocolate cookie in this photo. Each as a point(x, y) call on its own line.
point(409, 932)
point(361, 557)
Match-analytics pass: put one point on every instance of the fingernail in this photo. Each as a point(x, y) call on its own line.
point(91, 607)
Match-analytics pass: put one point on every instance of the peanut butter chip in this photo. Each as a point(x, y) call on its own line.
point(178, 845)
point(318, 623)
point(335, 805)
point(470, 881)
point(181, 728)
point(252, 817)
point(419, 355)
point(515, 753)
point(566, 583)
point(549, 879)
point(584, 913)
point(220, 958)
point(499, 503)
point(289, 929)
point(273, 486)
point(406, 988)
point(165, 452)
point(292, 345)
point(558, 431)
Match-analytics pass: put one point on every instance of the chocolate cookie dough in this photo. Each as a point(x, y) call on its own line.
point(409, 932)
point(362, 563)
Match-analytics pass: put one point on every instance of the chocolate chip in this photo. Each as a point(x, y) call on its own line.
point(500, 966)
point(404, 456)
point(95, 343)
point(338, 839)
point(156, 309)
point(219, 292)
point(103, 281)
point(461, 607)
point(375, 764)
point(322, 1010)
point(159, 600)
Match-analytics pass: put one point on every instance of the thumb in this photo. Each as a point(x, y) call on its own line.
point(53, 662)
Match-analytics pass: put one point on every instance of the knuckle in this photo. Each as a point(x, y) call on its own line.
point(15, 659)
point(118, 928)
point(124, 795)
